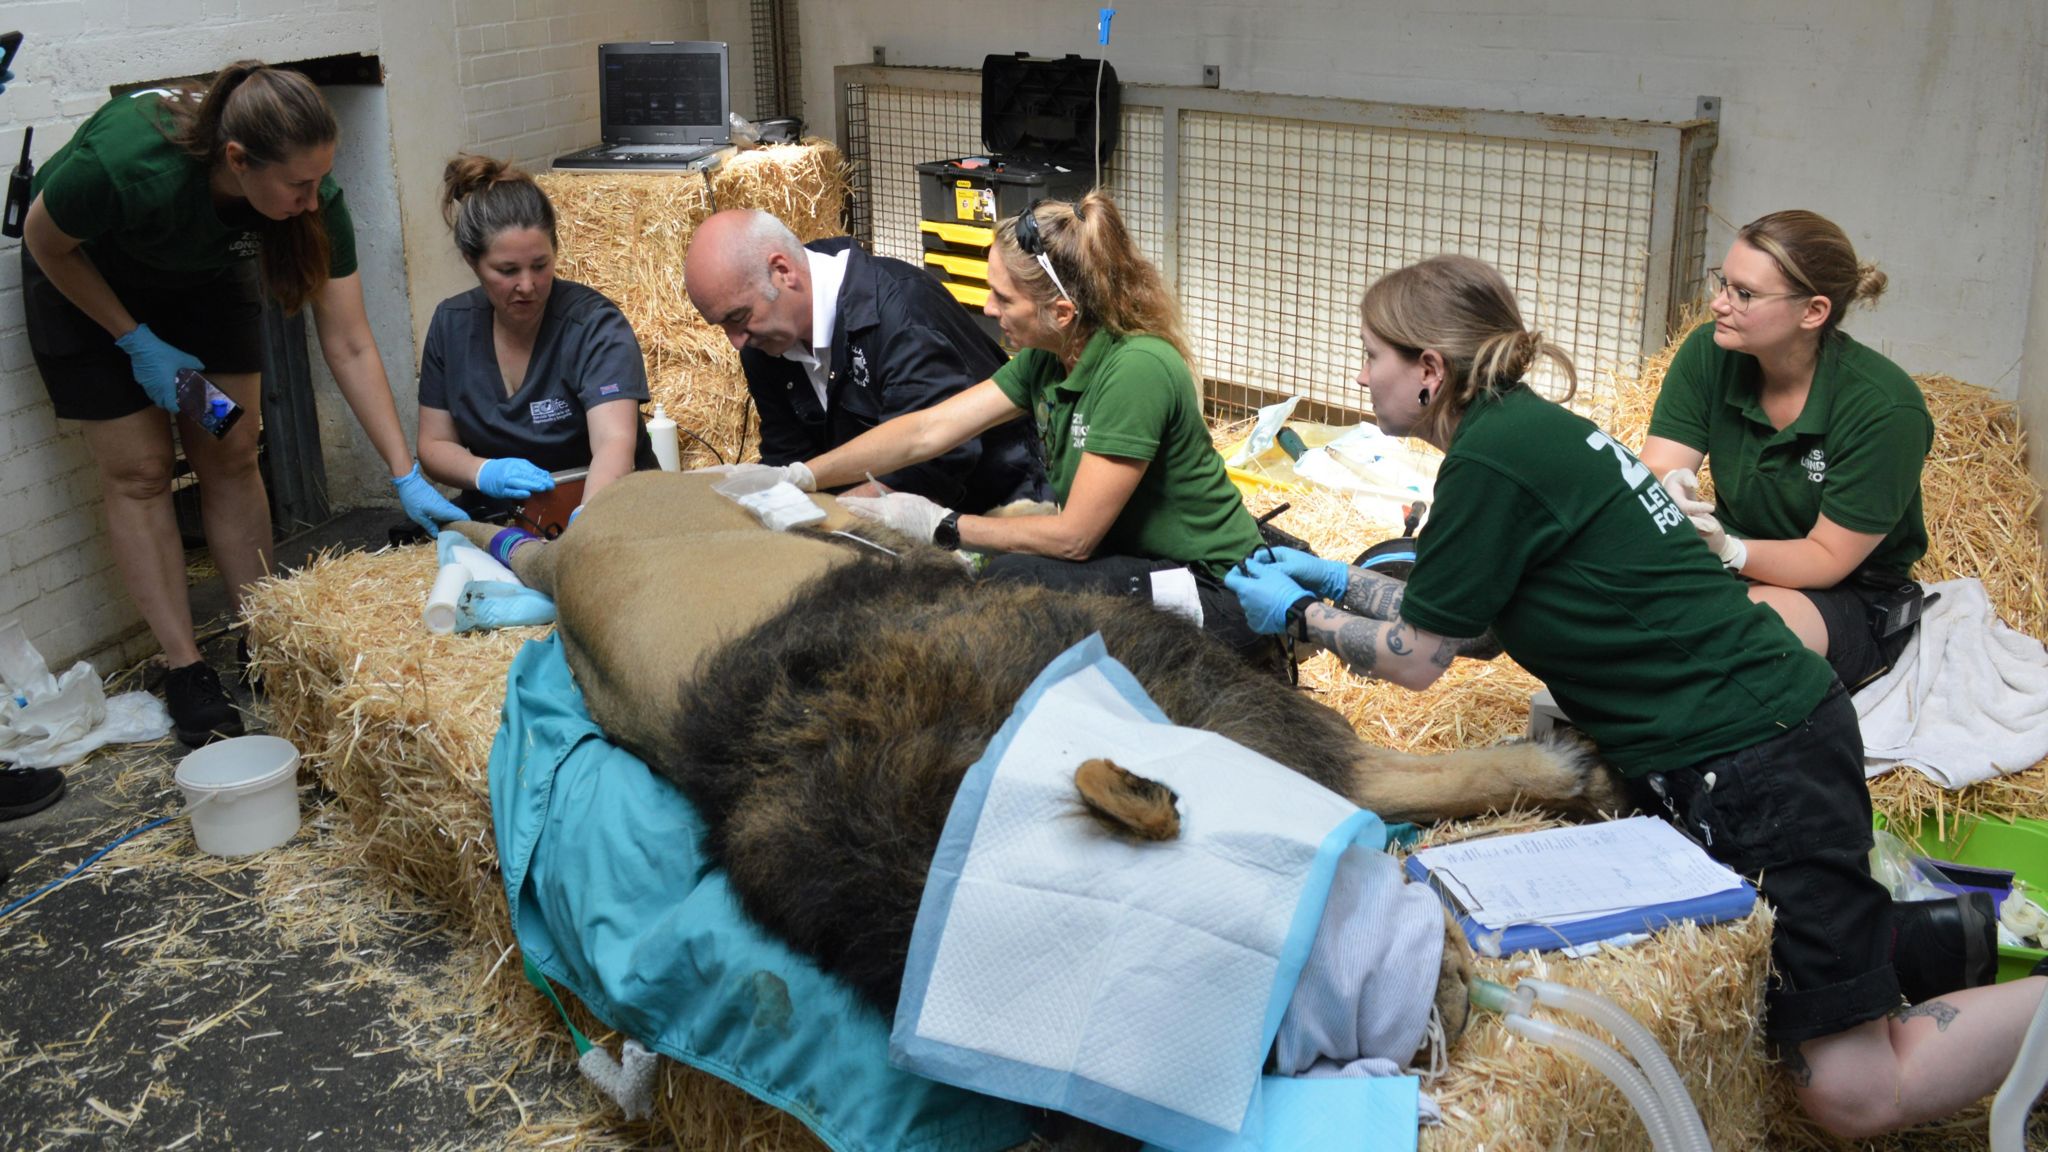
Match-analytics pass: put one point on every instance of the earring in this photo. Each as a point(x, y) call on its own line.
point(1422, 397)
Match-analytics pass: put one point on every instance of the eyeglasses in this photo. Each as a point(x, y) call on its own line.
point(1743, 297)
point(1032, 243)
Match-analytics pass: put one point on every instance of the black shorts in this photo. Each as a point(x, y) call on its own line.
point(1793, 815)
point(88, 377)
point(1858, 654)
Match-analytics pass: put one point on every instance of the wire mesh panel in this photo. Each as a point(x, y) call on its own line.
point(1284, 222)
point(908, 127)
point(778, 53)
point(1135, 177)
point(1270, 217)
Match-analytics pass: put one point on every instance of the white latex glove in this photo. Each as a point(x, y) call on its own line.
point(1684, 489)
point(798, 473)
point(1730, 549)
point(906, 512)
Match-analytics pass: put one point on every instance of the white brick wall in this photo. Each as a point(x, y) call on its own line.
point(529, 67)
point(526, 72)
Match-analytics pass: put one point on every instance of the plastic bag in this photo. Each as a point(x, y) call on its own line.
point(48, 721)
point(1892, 864)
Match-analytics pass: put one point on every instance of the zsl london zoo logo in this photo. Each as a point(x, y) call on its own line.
point(1816, 464)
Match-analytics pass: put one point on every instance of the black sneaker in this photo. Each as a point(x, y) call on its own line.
point(26, 790)
point(1944, 945)
point(201, 710)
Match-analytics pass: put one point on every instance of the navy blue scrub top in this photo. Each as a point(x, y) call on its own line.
point(584, 355)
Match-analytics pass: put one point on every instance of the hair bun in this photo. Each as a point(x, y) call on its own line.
point(1870, 283)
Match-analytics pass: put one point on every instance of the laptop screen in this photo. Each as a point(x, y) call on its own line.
point(663, 92)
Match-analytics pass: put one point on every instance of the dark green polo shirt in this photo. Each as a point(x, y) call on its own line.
point(1854, 454)
point(1563, 543)
point(1133, 396)
point(133, 196)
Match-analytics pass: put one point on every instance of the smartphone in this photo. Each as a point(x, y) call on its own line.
point(10, 43)
point(206, 405)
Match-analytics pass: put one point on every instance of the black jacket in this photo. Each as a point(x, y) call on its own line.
point(901, 343)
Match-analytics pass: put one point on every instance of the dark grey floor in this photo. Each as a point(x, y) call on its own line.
point(166, 999)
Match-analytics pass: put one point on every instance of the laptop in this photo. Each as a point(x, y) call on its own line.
point(662, 106)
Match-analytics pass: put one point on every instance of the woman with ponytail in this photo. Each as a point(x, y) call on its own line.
point(153, 236)
point(1103, 374)
point(523, 375)
point(1816, 441)
point(1556, 540)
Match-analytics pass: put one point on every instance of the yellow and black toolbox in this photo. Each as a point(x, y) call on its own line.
point(1038, 119)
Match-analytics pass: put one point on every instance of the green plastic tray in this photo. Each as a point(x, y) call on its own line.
point(1989, 842)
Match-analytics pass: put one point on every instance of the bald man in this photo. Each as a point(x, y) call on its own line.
point(834, 341)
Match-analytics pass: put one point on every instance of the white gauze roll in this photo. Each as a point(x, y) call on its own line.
point(440, 611)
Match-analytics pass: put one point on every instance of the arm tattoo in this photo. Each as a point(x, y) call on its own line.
point(1794, 1062)
point(1480, 647)
point(1397, 643)
point(1445, 652)
point(1370, 594)
point(1354, 639)
point(1941, 1011)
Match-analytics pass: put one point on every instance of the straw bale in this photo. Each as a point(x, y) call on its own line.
point(625, 234)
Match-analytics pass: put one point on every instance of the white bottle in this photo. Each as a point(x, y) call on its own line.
point(662, 431)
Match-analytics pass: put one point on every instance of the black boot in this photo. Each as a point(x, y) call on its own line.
point(201, 710)
point(26, 790)
point(1943, 945)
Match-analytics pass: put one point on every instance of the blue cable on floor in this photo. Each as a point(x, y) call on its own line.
point(89, 861)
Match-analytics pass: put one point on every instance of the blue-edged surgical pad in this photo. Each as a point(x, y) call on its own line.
point(1136, 985)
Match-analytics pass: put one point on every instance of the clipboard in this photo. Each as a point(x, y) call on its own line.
point(1652, 875)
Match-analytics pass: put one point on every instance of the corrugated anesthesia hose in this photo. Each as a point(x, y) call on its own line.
point(1609, 1063)
point(1514, 1005)
point(1679, 1111)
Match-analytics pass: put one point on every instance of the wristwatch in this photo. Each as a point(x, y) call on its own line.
point(946, 533)
point(1297, 619)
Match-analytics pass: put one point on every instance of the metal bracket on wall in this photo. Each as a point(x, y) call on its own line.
point(881, 54)
point(1212, 75)
point(1708, 108)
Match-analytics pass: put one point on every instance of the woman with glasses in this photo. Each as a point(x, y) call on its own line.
point(1103, 374)
point(1816, 443)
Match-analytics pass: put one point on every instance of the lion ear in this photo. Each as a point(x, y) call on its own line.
point(1125, 803)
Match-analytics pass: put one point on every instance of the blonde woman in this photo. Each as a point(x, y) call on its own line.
point(1817, 443)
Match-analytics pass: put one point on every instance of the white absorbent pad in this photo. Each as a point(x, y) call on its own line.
point(1135, 985)
point(775, 502)
point(1968, 699)
point(48, 721)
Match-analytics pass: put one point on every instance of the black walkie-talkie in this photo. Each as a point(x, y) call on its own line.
point(17, 189)
point(16, 210)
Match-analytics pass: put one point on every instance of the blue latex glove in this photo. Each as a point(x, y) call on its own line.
point(156, 365)
point(495, 604)
point(1326, 578)
point(510, 478)
point(1266, 593)
point(428, 508)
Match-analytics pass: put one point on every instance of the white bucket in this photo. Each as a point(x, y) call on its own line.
point(242, 794)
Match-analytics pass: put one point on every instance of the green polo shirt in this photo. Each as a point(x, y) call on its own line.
point(1854, 454)
point(133, 196)
point(1133, 396)
point(1563, 543)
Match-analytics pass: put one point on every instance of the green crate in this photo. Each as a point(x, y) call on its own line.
point(1989, 842)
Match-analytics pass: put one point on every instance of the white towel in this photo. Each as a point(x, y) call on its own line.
point(1968, 699)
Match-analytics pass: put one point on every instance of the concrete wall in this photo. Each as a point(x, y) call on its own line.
point(1918, 126)
point(56, 561)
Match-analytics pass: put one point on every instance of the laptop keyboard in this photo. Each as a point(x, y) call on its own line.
point(657, 151)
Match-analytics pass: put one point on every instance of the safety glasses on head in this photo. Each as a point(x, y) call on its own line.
point(1032, 243)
